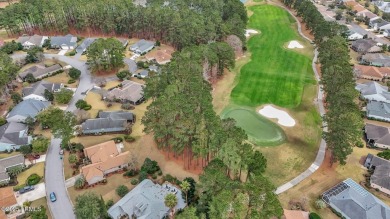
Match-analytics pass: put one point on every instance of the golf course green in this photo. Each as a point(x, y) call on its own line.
point(260, 130)
point(275, 74)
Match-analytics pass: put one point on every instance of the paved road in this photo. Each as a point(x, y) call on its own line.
point(321, 152)
point(54, 177)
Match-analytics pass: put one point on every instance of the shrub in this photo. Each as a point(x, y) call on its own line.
point(320, 204)
point(33, 179)
point(71, 81)
point(79, 183)
point(129, 138)
point(71, 53)
point(359, 144)
point(122, 74)
point(169, 178)
point(117, 139)
point(74, 73)
point(17, 188)
point(80, 104)
point(134, 181)
point(87, 107)
point(109, 203)
point(313, 215)
point(122, 190)
point(159, 172)
point(150, 166)
point(2, 121)
point(142, 175)
point(154, 176)
point(127, 106)
point(130, 173)
point(63, 96)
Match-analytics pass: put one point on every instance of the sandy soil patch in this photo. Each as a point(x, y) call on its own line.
point(295, 45)
point(249, 32)
point(283, 117)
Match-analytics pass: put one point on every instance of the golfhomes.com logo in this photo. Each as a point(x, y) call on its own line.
point(19, 209)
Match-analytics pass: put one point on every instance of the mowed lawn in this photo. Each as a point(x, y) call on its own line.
point(275, 73)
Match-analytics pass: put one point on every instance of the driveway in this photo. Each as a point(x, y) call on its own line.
point(39, 160)
point(38, 192)
point(62, 52)
point(54, 176)
point(132, 65)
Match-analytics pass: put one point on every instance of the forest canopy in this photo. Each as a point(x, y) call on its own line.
point(180, 22)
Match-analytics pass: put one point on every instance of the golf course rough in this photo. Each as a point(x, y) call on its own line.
point(260, 130)
point(274, 75)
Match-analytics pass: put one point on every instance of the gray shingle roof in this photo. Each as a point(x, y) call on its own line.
point(9, 162)
point(103, 125)
point(378, 109)
point(117, 115)
point(354, 202)
point(40, 87)
point(85, 44)
point(35, 39)
point(379, 134)
point(377, 58)
point(68, 40)
point(28, 108)
point(40, 70)
point(146, 201)
point(363, 45)
point(130, 91)
point(142, 46)
point(14, 133)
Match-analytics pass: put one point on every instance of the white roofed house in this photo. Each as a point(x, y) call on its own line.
point(374, 91)
point(352, 35)
point(32, 41)
point(146, 201)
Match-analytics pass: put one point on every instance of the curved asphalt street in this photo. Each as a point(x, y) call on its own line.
point(54, 173)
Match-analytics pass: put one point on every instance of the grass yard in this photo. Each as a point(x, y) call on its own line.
point(38, 168)
point(260, 130)
point(42, 202)
point(5, 155)
point(61, 78)
point(275, 74)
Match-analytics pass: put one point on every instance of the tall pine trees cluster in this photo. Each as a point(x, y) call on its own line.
point(343, 119)
point(180, 23)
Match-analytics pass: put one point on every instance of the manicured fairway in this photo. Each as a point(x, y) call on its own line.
point(275, 74)
point(260, 130)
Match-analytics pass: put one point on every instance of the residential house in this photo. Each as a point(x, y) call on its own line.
point(376, 59)
point(13, 135)
point(142, 74)
point(366, 46)
point(85, 44)
point(63, 42)
point(124, 42)
point(352, 201)
point(161, 55)
point(377, 136)
point(118, 115)
point(295, 214)
point(37, 90)
point(104, 158)
point(26, 108)
point(6, 163)
point(142, 46)
point(8, 200)
point(386, 33)
point(371, 72)
point(103, 125)
point(352, 35)
point(382, 25)
point(31, 41)
point(374, 91)
point(129, 91)
point(380, 179)
point(367, 14)
point(39, 71)
point(146, 201)
point(375, 22)
point(378, 110)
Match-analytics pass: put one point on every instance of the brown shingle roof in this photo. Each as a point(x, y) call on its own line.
point(161, 55)
point(7, 197)
point(103, 156)
point(372, 71)
point(130, 91)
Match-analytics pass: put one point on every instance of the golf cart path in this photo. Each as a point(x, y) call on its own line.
point(319, 101)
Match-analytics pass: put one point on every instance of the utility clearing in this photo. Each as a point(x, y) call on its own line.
point(295, 45)
point(283, 117)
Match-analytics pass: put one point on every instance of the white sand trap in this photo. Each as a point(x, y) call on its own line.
point(294, 44)
point(284, 118)
point(248, 32)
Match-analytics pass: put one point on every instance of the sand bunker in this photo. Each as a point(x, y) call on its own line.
point(294, 44)
point(248, 32)
point(284, 118)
